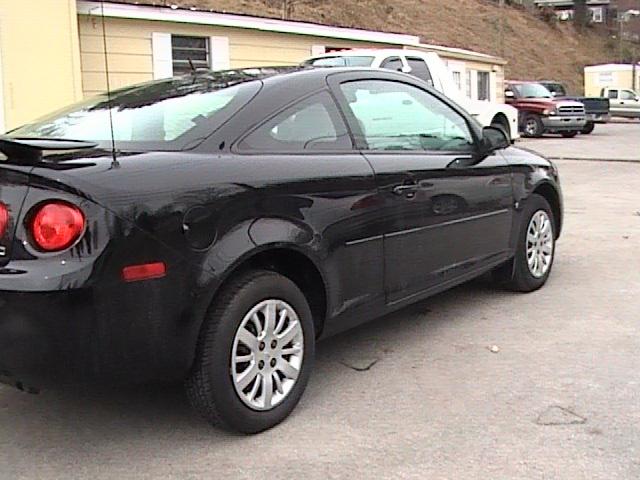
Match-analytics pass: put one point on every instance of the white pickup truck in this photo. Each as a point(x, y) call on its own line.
point(623, 102)
point(429, 67)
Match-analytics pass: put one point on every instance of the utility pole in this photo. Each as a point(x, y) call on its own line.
point(634, 69)
point(501, 28)
point(620, 38)
point(622, 18)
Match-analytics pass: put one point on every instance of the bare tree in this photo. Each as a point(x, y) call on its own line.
point(581, 15)
point(287, 7)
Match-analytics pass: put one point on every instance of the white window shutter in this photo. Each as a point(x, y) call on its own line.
point(493, 86)
point(219, 53)
point(318, 50)
point(474, 84)
point(162, 58)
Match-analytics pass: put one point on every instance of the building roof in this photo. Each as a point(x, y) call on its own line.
point(461, 53)
point(609, 67)
point(568, 3)
point(170, 12)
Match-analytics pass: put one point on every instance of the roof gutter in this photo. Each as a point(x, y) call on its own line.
point(167, 14)
point(460, 53)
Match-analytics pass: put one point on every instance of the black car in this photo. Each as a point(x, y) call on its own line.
point(210, 228)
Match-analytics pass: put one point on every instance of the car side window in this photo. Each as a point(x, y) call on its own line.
point(397, 116)
point(420, 69)
point(613, 94)
point(313, 124)
point(392, 63)
point(627, 95)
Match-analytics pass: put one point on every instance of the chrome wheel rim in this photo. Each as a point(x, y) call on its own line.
point(267, 354)
point(539, 244)
point(531, 127)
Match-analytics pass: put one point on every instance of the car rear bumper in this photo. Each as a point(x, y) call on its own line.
point(563, 124)
point(114, 335)
point(598, 117)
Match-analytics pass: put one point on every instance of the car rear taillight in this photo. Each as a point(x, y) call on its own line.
point(56, 226)
point(4, 219)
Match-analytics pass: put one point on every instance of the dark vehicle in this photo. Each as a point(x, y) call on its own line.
point(596, 109)
point(242, 216)
point(540, 113)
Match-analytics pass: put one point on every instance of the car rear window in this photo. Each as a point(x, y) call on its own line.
point(338, 61)
point(171, 114)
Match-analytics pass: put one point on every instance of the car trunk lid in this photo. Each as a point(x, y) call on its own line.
point(18, 157)
point(14, 184)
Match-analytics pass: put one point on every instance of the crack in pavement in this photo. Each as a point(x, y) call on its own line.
point(358, 368)
point(558, 415)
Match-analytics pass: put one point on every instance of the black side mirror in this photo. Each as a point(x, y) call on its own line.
point(493, 139)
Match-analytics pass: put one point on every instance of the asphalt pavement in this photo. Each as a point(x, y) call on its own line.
point(474, 383)
point(613, 141)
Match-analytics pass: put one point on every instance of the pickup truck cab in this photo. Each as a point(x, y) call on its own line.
point(597, 109)
point(624, 102)
point(540, 112)
point(429, 67)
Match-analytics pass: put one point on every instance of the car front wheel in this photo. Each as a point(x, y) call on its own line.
point(531, 266)
point(255, 354)
point(533, 126)
point(588, 128)
point(569, 134)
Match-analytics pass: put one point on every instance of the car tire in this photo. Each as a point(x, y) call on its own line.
point(533, 127)
point(519, 274)
point(504, 126)
point(215, 384)
point(569, 134)
point(588, 128)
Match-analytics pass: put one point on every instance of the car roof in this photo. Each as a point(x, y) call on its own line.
point(365, 51)
point(275, 73)
point(524, 82)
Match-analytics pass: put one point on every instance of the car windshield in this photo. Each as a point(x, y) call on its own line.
point(556, 89)
point(531, 90)
point(338, 61)
point(171, 114)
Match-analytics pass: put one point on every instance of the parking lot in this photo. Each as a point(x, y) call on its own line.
point(612, 141)
point(474, 383)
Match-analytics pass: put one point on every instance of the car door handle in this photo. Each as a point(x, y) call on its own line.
point(408, 191)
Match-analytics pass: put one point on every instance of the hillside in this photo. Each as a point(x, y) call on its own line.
point(533, 48)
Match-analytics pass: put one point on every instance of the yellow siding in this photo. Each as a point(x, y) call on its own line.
point(130, 49)
point(40, 58)
point(595, 81)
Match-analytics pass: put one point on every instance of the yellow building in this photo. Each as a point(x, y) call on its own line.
point(39, 58)
point(596, 77)
point(52, 52)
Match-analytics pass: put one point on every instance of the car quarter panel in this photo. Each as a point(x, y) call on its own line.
point(71, 316)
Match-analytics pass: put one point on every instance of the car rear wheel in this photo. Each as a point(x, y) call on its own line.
point(569, 134)
point(254, 355)
point(502, 124)
point(533, 126)
point(531, 266)
point(588, 128)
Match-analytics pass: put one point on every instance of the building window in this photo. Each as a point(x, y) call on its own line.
point(597, 14)
point(185, 49)
point(484, 91)
point(468, 84)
